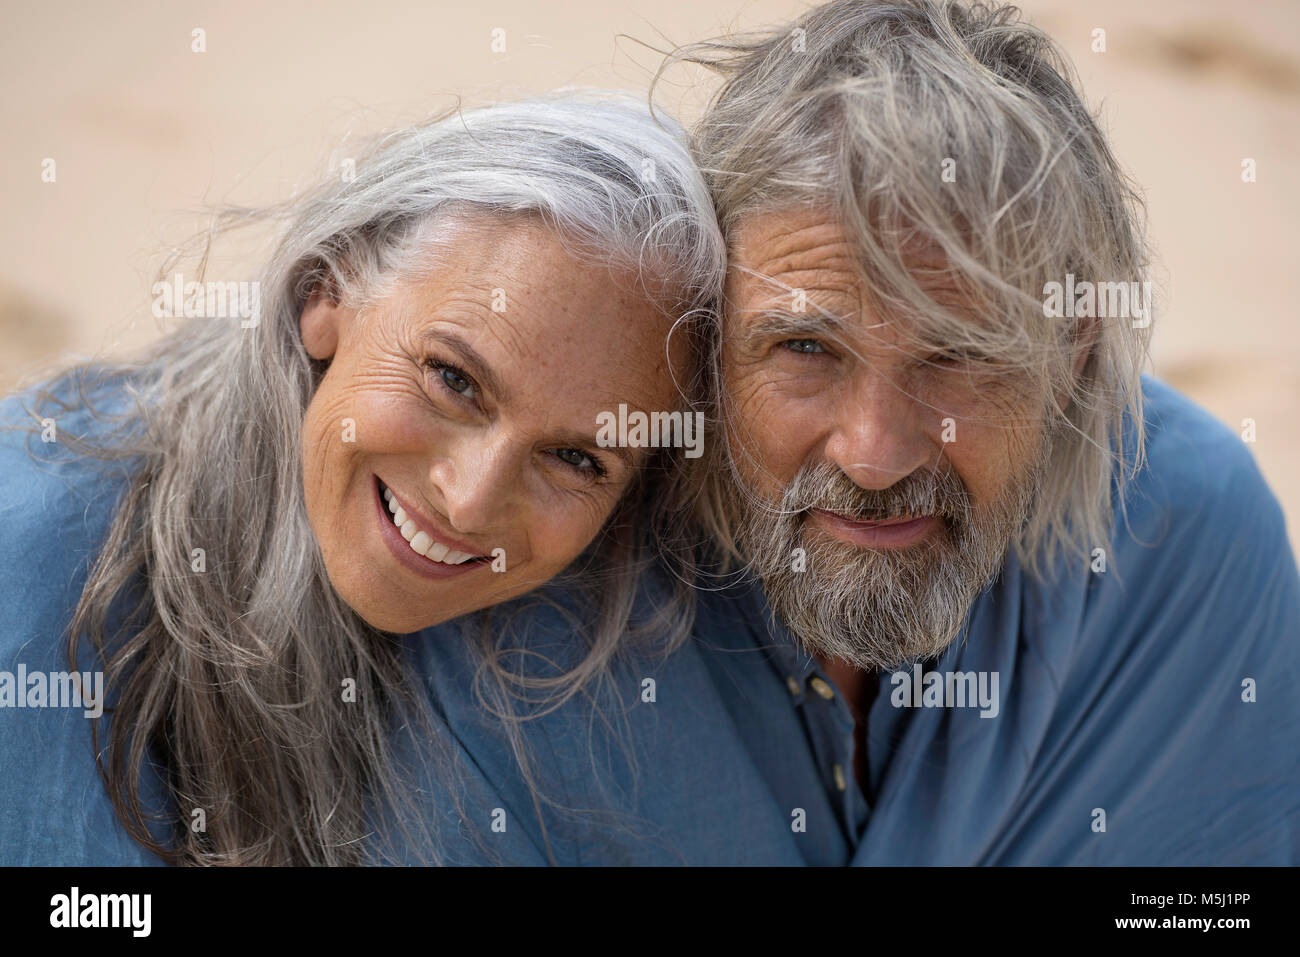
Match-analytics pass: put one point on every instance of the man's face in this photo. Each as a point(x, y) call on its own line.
point(879, 476)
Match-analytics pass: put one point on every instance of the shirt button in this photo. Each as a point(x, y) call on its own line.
point(792, 684)
point(840, 783)
point(822, 688)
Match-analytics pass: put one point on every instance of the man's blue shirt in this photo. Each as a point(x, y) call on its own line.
point(1147, 714)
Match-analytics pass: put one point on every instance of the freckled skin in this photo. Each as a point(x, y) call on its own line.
point(878, 417)
point(575, 340)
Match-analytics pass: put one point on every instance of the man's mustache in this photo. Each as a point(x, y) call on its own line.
point(924, 492)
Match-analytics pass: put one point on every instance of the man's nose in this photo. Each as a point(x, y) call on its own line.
point(879, 434)
point(477, 482)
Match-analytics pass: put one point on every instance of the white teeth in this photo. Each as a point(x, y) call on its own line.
point(421, 542)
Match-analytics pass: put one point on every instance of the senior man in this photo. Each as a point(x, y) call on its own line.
point(1051, 598)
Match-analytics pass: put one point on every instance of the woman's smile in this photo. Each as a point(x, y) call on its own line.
point(418, 543)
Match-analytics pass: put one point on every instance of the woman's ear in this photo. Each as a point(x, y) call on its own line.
point(320, 324)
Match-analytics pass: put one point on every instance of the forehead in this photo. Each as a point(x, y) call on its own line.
point(774, 253)
point(777, 254)
point(541, 314)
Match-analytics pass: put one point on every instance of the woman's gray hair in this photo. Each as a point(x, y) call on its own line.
point(234, 675)
point(863, 106)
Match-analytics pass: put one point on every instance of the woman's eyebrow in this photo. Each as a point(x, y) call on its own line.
point(473, 362)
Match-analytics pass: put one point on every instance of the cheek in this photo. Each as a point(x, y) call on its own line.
point(561, 531)
point(995, 426)
point(989, 456)
point(324, 449)
point(351, 421)
point(359, 416)
point(775, 426)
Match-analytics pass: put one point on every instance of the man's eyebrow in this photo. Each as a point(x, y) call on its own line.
point(767, 323)
point(473, 362)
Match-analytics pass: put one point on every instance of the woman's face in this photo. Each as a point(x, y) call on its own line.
point(470, 395)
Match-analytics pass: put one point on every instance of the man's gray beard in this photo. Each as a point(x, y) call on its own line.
point(880, 608)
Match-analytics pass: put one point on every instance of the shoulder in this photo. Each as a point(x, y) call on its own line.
point(1200, 524)
point(55, 504)
point(629, 770)
point(732, 612)
point(1151, 665)
point(54, 510)
point(1199, 499)
point(1193, 461)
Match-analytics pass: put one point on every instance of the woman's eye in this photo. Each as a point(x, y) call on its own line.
point(578, 460)
point(455, 381)
point(804, 346)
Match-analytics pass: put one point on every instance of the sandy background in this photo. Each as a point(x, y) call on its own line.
point(145, 132)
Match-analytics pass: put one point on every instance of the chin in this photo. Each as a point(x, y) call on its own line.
point(382, 605)
point(401, 624)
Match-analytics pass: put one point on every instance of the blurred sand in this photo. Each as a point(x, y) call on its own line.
point(145, 132)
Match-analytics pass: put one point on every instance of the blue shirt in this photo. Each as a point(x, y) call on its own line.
point(1148, 714)
point(1145, 715)
point(54, 511)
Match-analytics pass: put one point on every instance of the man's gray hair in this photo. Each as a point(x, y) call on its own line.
point(954, 130)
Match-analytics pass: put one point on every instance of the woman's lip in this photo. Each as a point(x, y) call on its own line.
point(890, 533)
point(434, 530)
point(401, 549)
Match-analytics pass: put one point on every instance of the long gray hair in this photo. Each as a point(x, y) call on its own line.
point(863, 106)
point(233, 676)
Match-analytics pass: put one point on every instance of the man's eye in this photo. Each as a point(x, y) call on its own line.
point(579, 460)
point(804, 346)
point(455, 380)
point(958, 357)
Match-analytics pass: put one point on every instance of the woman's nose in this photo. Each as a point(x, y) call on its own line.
point(478, 483)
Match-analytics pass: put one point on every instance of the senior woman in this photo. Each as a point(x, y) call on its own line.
point(238, 526)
